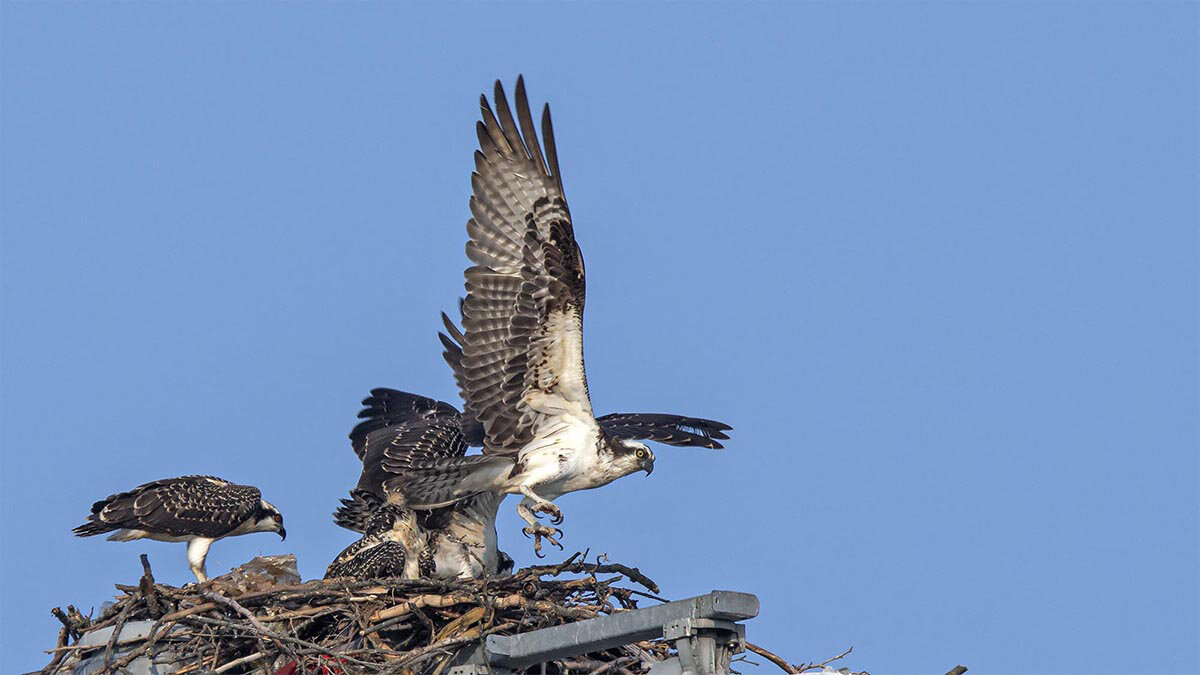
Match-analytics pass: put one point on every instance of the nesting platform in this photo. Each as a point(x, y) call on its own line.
point(574, 617)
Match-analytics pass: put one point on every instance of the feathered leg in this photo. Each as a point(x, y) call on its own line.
point(197, 552)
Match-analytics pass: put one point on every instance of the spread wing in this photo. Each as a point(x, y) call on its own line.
point(388, 452)
point(386, 408)
point(452, 353)
point(523, 314)
point(189, 505)
point(399, 430)
point(664, 428)
point(670, 429)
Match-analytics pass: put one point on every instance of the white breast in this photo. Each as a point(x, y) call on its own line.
point(563, 450)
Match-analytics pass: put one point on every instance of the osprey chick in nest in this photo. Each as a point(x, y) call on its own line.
point(398, 431)
point(195, 509)
point(394, 545)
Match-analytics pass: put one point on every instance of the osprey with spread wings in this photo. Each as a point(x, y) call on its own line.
point(519, 359)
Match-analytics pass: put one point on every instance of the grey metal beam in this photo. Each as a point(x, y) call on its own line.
point(581, 637)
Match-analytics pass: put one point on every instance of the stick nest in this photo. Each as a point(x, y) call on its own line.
point(262, 619)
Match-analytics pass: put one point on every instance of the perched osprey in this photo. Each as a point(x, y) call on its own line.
point(522, 350)
point(393, 545)
point(195, 509)
point(399, 430)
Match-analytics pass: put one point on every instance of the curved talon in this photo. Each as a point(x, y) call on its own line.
point(551, 510)
point(540, 532)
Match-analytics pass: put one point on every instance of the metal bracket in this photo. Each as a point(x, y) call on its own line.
point(705, 646)
point(693, 627)
point(702, 629)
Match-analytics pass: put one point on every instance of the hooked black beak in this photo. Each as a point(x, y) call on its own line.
point(648, 465)
point(282, 533)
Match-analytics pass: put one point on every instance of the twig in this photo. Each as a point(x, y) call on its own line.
point(770, 656)
point(957, 670)
point(806, 668)
point(647, 595)
point(112, 640)
point(615, 663)
point(397, 622)
point(285, 638)
point(61, 616)
point(237, 662)
point(78, 620)
point(418, 655)
point(217, 597)
point(567, 563)
point(146, 586)
point(632, 573)
point(156, 631)
point(789, 668)
point(197, 609)
point(420, 602)
point(72, 620)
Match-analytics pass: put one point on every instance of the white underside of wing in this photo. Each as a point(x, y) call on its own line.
point(560, 387)
point(565, 432)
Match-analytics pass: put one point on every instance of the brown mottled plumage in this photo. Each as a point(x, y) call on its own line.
point(195, 509)
point(520, 354)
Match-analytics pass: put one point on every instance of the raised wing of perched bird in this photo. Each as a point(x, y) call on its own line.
point(195, 509)
point(522, 359)
point(393, 545)
point(398, 431)
point(522, 372)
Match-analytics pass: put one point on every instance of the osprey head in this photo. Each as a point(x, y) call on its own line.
point(632, 456)
point(269, 519)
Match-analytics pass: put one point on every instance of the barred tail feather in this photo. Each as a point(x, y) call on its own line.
point(92, 528)
point(357, 510)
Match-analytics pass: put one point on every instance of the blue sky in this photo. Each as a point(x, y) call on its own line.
point(936, 263)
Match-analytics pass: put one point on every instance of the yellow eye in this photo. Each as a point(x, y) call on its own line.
point(641, 454)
